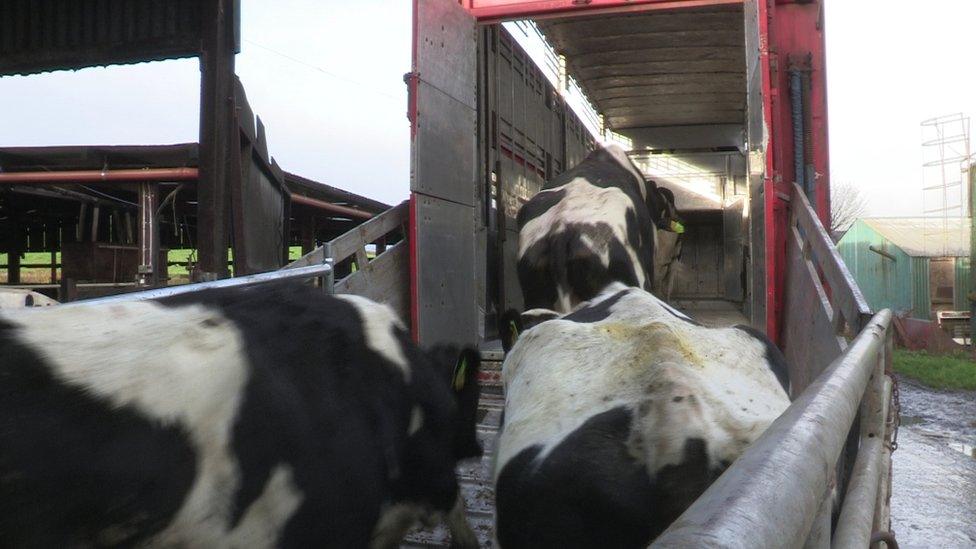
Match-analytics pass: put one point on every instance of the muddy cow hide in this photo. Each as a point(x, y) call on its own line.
point(619, 415)
point(228, 418)
point(597, 223)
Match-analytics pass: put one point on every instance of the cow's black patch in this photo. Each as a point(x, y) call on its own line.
point(590, 491)
point(321, 401)
point(565, 260)
point(539, 205)
point(75, 470)
point(596, 312)
point(774, 357)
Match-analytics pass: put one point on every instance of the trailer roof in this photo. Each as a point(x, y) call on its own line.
point(661, 68)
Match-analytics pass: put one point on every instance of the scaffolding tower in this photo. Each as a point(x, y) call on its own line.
point(945, 175)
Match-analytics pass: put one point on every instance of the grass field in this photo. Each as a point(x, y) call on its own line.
point(940, 372)
point(43, 275)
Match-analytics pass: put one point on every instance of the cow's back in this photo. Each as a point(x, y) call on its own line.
point(262, 418)
point(618, 416)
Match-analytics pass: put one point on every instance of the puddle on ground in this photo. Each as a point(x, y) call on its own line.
point(910, 420)
point(967, 449)
point(934, 487)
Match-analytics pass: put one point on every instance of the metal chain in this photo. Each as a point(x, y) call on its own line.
point(895, 411)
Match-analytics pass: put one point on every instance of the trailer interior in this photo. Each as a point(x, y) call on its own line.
point(672, 81)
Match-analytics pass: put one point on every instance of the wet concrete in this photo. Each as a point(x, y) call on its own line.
point(933, 500)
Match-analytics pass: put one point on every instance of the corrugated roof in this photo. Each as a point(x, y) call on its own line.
point(666, 68)
point(925, 236)
point(47, 35)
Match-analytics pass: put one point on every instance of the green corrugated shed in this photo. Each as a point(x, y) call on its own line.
point(921, 290)
point(960, 302)
point(890, 260)
point(885, 282)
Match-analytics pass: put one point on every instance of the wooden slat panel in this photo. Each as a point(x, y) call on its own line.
point(384, 280)
point(844, 290)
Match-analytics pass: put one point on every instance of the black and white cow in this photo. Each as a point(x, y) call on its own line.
point(597, 223)
point(265, 417)
point(619, 415)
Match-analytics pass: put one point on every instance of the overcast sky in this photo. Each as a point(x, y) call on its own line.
point(326, 78)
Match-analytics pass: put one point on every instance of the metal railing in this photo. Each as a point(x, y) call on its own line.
point(779, 493)
point(303, 273)
point(318, 264)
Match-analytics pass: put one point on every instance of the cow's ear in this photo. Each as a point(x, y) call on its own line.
point(467, 391)
point(509, 328)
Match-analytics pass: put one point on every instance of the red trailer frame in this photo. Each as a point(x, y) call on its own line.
point(791, 36)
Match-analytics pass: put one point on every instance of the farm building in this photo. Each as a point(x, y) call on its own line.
point(912, 265)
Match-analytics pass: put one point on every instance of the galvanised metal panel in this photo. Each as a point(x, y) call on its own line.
point(734, 242)
point(444, 147)
point(921, 293)
point(446, 288)
point(960, 300)
point(446, 49)
point(444, 172)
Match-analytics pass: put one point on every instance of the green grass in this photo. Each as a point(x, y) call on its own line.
point(43, 275)
point(940, 372)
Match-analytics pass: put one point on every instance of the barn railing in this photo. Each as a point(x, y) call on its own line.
point(382, 278)
point(780, 492)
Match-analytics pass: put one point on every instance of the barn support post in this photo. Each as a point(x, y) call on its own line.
point(307, 223)
point(328, 258)
point(216, 132)
point(13, 254)
point(148, 270)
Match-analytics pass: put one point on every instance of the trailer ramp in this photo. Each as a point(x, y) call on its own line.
point(837, 434)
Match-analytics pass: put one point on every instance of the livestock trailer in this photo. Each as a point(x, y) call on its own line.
point(736, 83)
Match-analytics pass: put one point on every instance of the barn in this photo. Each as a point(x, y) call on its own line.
point(913, 265)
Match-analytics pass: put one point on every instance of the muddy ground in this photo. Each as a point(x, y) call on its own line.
point(933, 500)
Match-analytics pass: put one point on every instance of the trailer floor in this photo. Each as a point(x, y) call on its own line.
point(712, 312)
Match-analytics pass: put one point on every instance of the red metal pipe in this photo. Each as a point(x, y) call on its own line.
point(95, 176)
point(495, 11)
point(330, 207)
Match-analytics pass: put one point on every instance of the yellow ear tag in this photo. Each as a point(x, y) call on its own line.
point(677, 227)
point(515, 332)
point(459, 371)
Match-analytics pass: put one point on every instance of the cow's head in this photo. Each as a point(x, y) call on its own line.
point(512, 323)
point(442, 428)
point(441, 432)
point(669, 226)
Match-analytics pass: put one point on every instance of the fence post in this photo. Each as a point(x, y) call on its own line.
point(328, 280)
